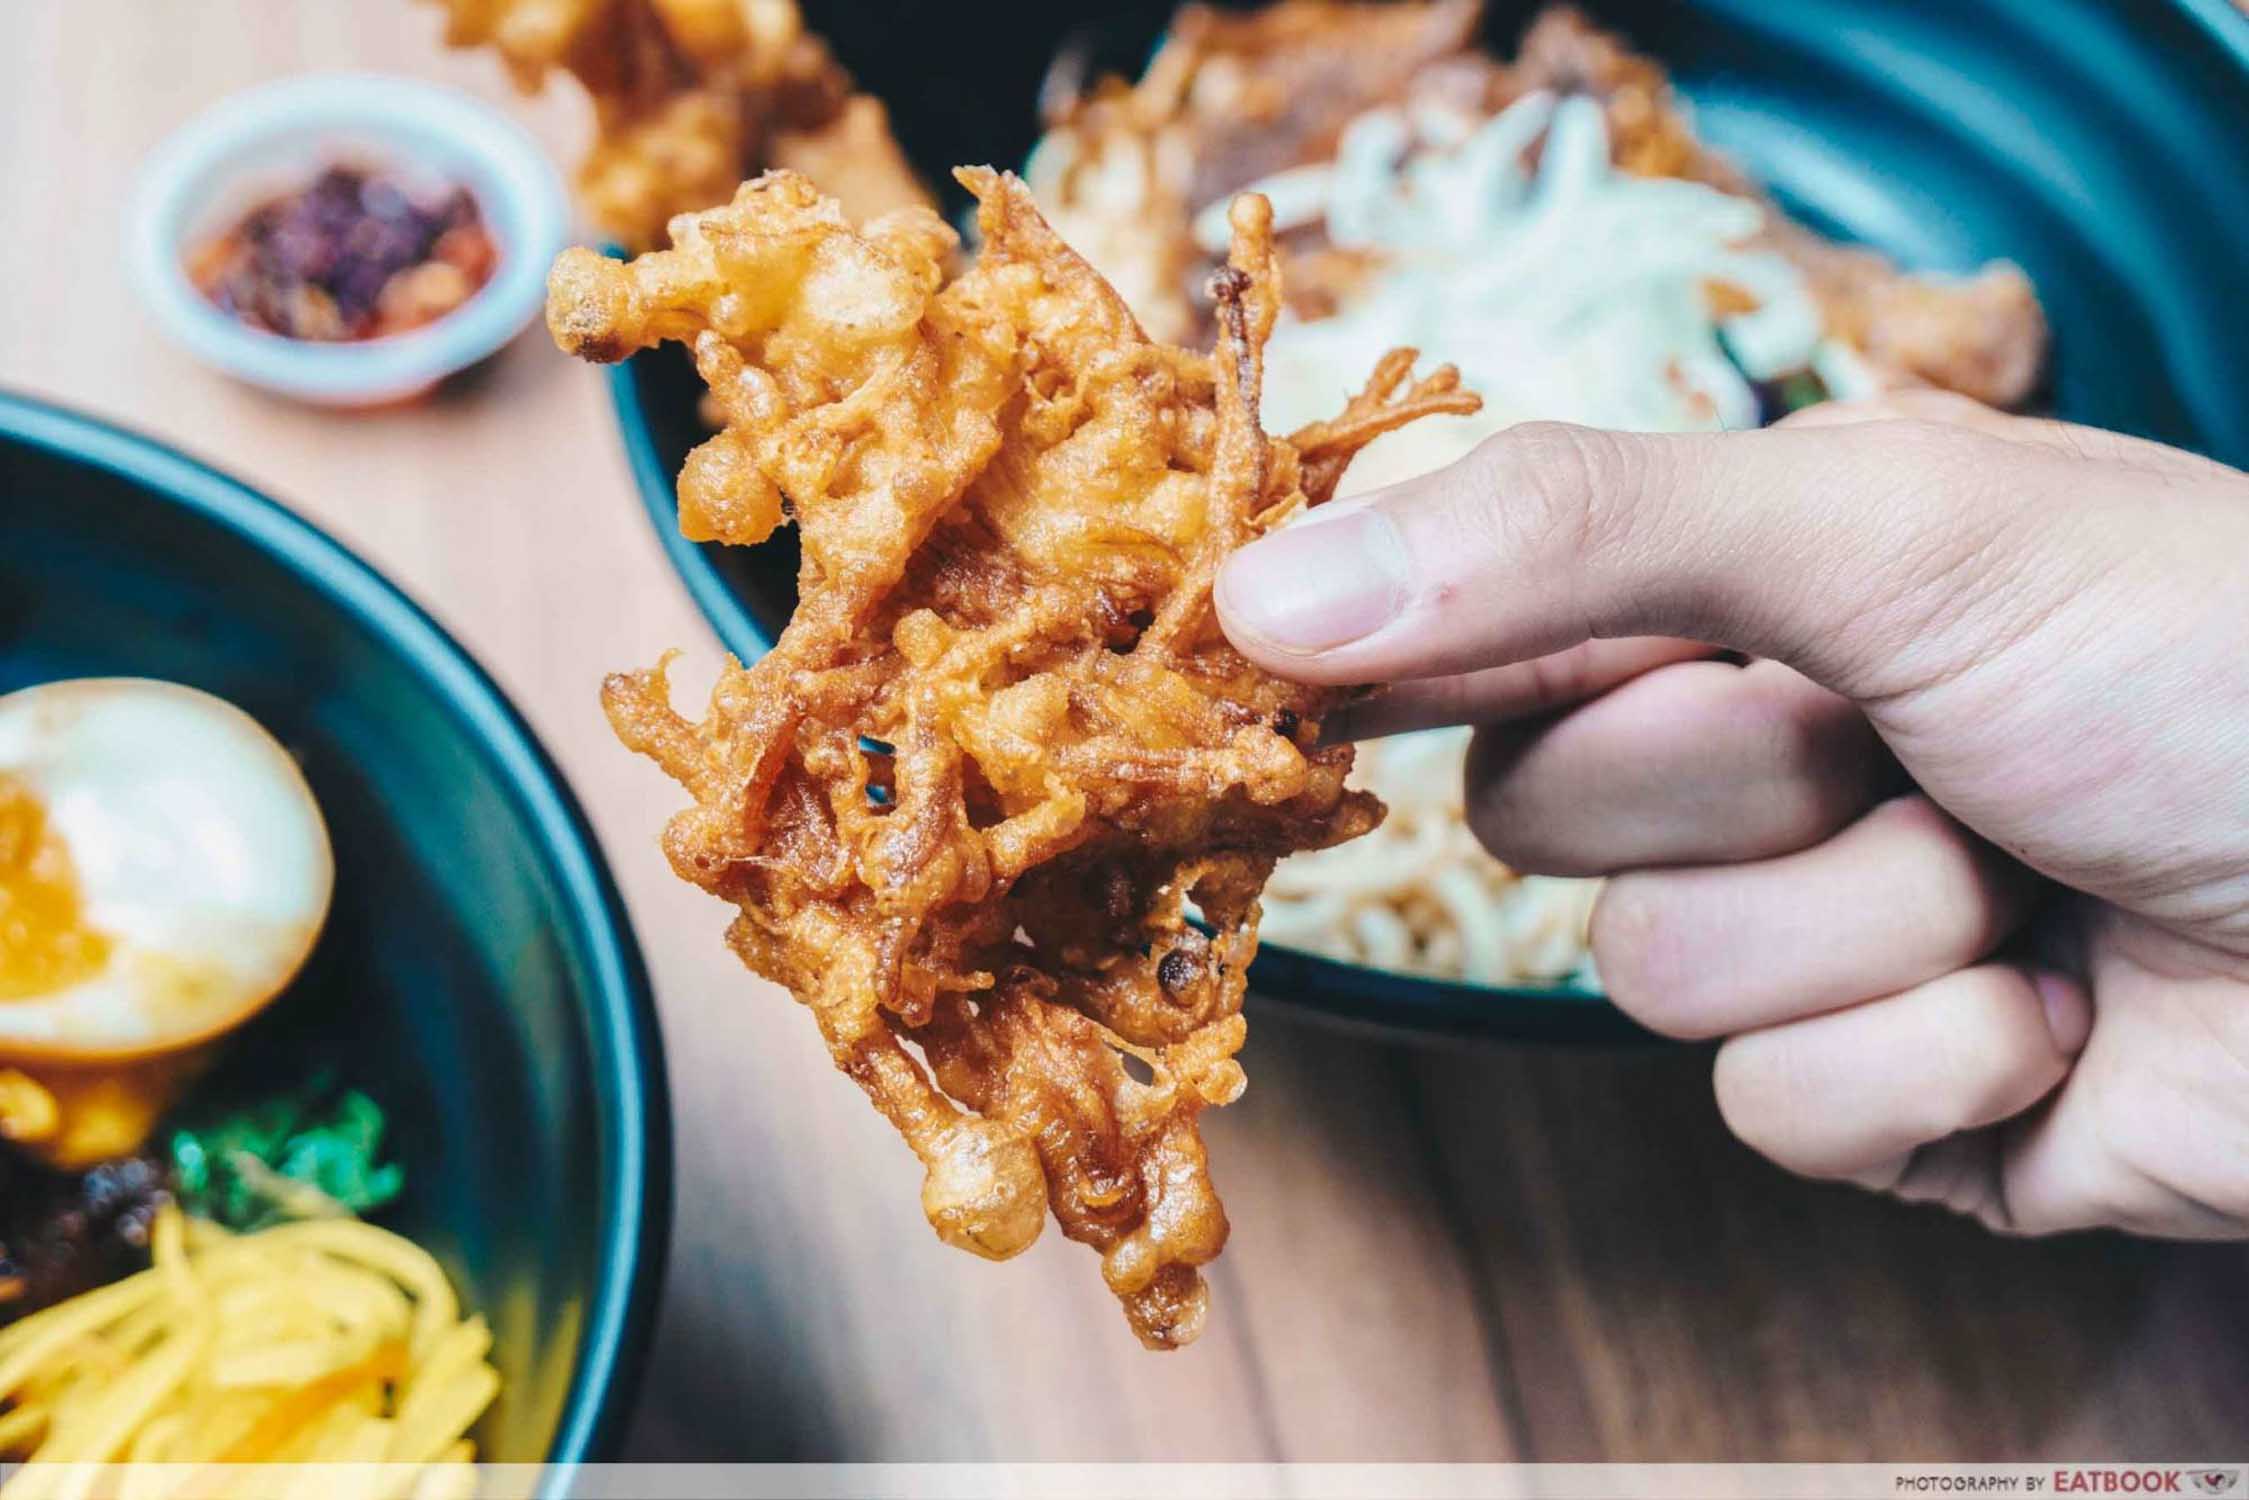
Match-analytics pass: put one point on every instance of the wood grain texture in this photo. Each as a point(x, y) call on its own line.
point(1468, 1254)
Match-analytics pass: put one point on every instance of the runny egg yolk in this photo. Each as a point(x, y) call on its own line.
point(69, 1118)
point(45, 943)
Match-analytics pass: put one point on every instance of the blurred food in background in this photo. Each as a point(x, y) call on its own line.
point(349, 240)
point(690, 98)
point(164, 874)
point(357, 254)
point(1419, 894)
point(1553, 227)
point(63, 1232)
point(1240, 100)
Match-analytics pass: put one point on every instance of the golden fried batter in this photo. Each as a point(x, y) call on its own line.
point(689, 97)
point(1231, 99)
point(963, 802)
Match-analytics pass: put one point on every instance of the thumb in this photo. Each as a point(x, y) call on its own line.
point(1847, 552)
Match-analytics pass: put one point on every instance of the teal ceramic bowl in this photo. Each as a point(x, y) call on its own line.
point(2082, 139)
point(477, 975)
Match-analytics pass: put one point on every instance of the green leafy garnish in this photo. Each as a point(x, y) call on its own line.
point(312, 1153)
point(1800, 390)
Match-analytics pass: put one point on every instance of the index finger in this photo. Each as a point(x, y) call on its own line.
point(1834, 550)
point(1516, 690)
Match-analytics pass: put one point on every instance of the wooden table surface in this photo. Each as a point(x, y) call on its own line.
point(1437, 1254)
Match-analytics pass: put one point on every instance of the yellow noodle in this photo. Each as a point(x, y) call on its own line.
point(329, 1342)
point(50, 1332)
point(441, 1413)
point(435, 1308)
point(295, 1362)
point(19, 1427)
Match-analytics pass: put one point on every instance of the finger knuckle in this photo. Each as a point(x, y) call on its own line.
point(1961, 909)
point(1517, 830)
point(1555, 485)
point(1754, 1091)
point(1643, 957)
point(1810, 766)
point(1990, 1058)
point(1819, 770)
point(1959, 553)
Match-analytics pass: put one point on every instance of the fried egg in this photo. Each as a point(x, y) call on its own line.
point(164, 869)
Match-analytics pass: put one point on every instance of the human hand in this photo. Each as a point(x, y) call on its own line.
point(1957, 861)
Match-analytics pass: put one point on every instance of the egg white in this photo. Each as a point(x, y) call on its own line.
point(199, 853)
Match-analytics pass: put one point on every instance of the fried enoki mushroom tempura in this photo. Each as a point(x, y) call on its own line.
point(964, 801)
point(690, 96)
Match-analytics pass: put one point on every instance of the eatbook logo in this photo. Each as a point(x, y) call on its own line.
point(2149, 1481)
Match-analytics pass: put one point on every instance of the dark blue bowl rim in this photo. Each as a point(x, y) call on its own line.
point(627, 1045)
point(1380, 999)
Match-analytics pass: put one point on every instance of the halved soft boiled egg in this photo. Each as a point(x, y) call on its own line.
point(164, 869)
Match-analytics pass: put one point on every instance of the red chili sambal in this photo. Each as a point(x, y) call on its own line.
point(356, 255)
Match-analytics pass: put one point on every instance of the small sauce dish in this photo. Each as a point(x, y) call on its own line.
point(278, 139)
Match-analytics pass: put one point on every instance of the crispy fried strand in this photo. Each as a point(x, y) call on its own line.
point(963, 803)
